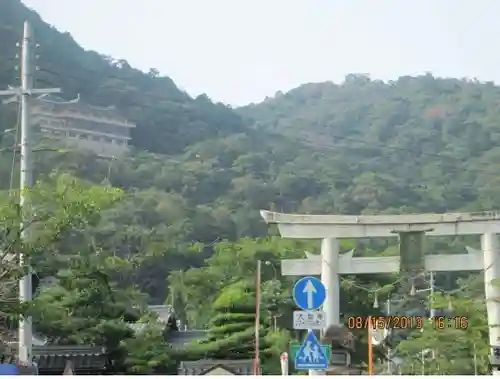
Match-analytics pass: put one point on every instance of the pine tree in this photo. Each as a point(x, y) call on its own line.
point(231, 333)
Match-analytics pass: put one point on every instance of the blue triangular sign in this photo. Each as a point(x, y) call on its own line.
point(311, 355)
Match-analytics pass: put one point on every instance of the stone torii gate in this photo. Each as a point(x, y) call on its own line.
point(330, 264)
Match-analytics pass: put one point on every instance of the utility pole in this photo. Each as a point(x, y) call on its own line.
point(26, 90)
point(432, 314)
point(389, 350)
point(258, 282)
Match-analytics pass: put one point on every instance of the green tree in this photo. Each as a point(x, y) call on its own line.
point(456, 345)
point(231, 332)
point(86, 307)
point(148, 352)
point(198, 172)
point(50, 211)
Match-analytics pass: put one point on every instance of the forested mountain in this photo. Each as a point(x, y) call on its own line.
point(416, 143)
point(155, 103)
point(197, 171)
point(200, 171)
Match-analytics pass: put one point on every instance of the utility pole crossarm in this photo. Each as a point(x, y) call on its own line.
point(29, 92)
point(15, 92)
point(42, 91)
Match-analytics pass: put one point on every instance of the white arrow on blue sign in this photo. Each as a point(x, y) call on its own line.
point(309, 293)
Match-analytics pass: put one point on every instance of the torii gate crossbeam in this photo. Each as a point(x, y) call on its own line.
point(330, 264)
point(347, 265)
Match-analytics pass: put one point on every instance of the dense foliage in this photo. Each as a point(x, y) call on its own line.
point(187, 229)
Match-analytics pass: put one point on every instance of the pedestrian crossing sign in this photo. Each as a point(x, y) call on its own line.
point(311, 355)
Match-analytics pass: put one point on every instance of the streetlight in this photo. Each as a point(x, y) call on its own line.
point(258, 283)
point(276, 315)
point(269, 263)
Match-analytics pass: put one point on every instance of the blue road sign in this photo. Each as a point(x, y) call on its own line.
point(311, 355)
point(309, 293)
point(9, 369)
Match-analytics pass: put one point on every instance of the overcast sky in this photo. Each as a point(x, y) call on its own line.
point(240, 51)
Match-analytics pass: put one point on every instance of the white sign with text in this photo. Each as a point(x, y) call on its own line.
point(303, 320)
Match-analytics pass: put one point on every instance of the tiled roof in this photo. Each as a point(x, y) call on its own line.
point(67, 350)
point(178, 338)
point(238, 366)
point(51, 102)
point(219, 366)
point(164, 312)
point(84, 358)
point(54, 358)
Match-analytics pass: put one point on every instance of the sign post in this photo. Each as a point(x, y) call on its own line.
point(309, 294)
point(284, 363)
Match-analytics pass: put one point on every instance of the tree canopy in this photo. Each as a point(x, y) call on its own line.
point(176, 220)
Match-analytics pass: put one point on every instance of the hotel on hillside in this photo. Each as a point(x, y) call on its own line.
point(80, 125)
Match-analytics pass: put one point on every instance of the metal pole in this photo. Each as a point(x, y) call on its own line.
point(475, 360)
point(423, 361)
point(432, 310)
point(432, 313)
point(370, 347)
point(25, 327)
point(389, 350)
point(311, 372)
point(256, 370)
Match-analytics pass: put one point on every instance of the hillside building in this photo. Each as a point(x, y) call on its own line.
point(81, 125)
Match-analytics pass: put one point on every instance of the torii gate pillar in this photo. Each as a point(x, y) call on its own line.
point(489, 245)
point(330, 278)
